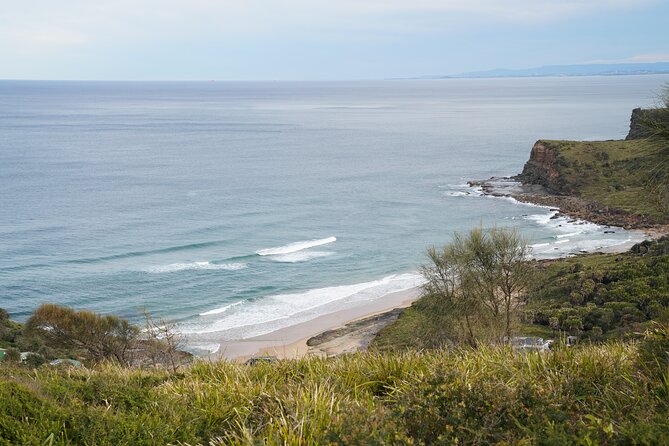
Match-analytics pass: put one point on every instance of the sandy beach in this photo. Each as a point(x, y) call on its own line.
point(291, 342)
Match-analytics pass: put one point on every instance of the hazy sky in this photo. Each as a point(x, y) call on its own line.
point(319, 39)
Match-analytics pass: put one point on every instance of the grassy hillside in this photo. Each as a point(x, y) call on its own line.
point(618, 174)
point(587, 395)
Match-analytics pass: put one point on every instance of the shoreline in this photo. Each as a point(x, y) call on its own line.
point(291, 342)
point(352, 329)
point(567, 205)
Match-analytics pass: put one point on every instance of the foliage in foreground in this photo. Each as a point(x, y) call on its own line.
point(588, 395)
point(54, 331)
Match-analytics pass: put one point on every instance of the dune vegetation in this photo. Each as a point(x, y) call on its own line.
point(598, 394)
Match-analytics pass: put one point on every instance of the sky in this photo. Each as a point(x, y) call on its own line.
point(319, 39)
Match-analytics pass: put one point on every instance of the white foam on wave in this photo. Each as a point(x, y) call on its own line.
point(570, 234)
point(300, 256)
point(539, 245)
point(461, 190)
point(274, 312)
point(174, 267)
point(295, 247)
point(571, 247)
point(222, 309)
point(573, 236)
point(206, 349)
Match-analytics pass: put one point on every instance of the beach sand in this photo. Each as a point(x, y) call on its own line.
point(291, 342)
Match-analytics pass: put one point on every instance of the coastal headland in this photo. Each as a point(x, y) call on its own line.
point(603, 182)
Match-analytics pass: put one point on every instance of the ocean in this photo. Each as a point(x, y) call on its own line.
point(236, 209)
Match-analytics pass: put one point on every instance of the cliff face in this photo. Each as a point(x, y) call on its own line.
point(637, 130)
point(643, 118)
point(541, 168)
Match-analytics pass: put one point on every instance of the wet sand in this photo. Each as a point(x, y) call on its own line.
point(291, 342)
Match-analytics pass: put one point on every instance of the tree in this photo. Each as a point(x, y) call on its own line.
point(94, 336)
point(163, 343)
point(477, 283)
point(9, 330)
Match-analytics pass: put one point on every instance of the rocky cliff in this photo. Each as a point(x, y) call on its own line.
point(542, 169)
point(637, 129)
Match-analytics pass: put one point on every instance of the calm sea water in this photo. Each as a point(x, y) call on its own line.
point(240, 208)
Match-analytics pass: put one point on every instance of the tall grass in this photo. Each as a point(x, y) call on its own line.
point(586, 395)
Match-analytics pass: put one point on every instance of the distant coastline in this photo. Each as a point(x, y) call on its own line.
point(619, 69)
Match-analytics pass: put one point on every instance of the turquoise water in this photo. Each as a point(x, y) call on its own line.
point(239, 208)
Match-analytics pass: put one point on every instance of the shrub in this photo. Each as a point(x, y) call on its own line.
point(96, 337)
point(12, 355)
point(653, 357)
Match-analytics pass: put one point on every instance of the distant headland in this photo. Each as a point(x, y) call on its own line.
point(595, 69)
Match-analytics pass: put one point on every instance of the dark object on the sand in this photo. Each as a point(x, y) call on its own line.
point(260, 360)
point(375, 323)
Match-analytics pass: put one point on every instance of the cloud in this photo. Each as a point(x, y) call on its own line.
point(638, 58)
point(43, 37)
point(43, 23)
point(657, 57)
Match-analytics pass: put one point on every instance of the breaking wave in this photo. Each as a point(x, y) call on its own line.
point(300, 256)
point(222, 309)
point(295, 247)
point(174, 267)
point(277, 311)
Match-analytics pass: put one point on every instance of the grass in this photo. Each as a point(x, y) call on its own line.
point(589, 395)
point(617, 174)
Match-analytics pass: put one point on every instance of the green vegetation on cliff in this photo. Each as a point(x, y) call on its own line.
point(624, 183)
point(619, 175)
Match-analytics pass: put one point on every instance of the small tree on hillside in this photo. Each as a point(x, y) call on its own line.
point(89, 334)
point(476, 283)
point(163, 342)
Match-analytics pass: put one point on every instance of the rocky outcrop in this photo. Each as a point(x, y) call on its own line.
point(541, 168)
point(643, 118)
point(637, 130)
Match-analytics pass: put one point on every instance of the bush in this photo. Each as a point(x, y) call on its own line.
point(94, 336)
point(653, 357)
point(34, 360)
point(12, 355)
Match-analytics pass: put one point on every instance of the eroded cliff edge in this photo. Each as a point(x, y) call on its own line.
point(606, 182)
point(542, 169)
